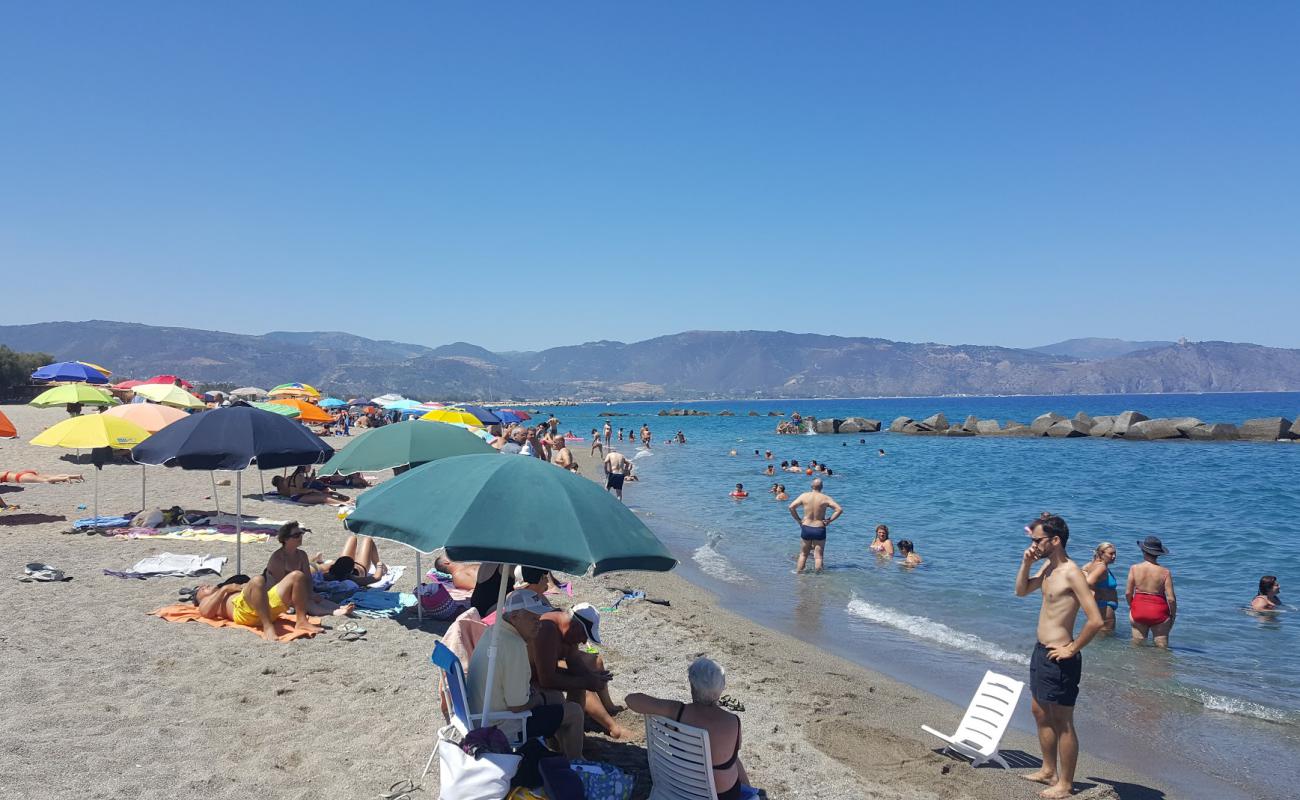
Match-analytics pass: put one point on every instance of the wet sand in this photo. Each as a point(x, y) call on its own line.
point(103, 701)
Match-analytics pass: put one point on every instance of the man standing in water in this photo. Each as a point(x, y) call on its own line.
point(813, 522)
point(1056, 665)
point(609, 432)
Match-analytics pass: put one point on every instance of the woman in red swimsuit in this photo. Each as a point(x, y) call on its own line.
point(1150, 592)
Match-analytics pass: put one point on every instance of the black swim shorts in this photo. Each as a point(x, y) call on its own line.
point(1054, 681)
point(614, 480)
point(544, 721)
point(812, 533)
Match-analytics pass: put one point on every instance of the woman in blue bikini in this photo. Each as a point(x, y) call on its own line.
point(1103, 583)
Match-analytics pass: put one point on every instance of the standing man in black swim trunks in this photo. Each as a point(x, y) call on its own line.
point(813, 522)
point(1056, 665)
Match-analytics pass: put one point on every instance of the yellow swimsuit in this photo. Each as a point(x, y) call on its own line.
point(242, 613)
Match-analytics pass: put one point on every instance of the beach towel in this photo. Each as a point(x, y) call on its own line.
point(171, 565)
point(186, 534)
point(444, 580)
point(184, 612)
point(101, 522)
point(380, 604)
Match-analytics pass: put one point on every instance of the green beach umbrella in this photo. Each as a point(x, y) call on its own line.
point(70, 393)
point(404, 444)
point(512, 510)
point(278, 408)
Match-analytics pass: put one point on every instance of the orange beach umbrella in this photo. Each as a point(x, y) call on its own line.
point(7, 429)
point(306, 411)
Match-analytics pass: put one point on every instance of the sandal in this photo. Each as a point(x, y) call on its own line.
point(730, 703)
point(400, 790)
point(351, 632)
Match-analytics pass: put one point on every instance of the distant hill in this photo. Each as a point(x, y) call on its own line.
point(694, 364)
point(1095, 349)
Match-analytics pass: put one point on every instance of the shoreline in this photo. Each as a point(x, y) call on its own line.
point(220, 713)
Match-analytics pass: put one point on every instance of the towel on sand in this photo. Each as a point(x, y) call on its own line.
point(172, 566)
point(186, 534)
point(101, 522)
point(381, 604)
point(184, 612)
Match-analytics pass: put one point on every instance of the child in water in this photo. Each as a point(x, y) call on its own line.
point(740, 492)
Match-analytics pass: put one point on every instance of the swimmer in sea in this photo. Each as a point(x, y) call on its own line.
point(740, 493)
point(880, 453)
point(882, 546)
point(780, 492)
point(908, 552)
point(813, 522)
point(1267, 599)
point(771, 470)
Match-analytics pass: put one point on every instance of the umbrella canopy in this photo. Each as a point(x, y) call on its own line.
point(150, 416)
point(71, 393)
point(523, 415)
point(295, 390)
point(512, 511)
point(401, 405)
point(306, 411)
point(451, 415)
point(385, 398)
point(278, 408)
point(332, 402)
point(90, 431)
point(70, 371)
point(233, 438)
point(403, 444)
point(92, 365)
point(7, 429)
point(507, 417)
point(172, 379)
point(169, 395)
point(249, 391)
point(127, 384)
point(480, 413)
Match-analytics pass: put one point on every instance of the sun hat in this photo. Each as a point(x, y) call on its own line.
point(1152, 546)
point(526, 600)
point(587, 614)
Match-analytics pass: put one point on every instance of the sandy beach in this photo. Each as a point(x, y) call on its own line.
point(103, 701)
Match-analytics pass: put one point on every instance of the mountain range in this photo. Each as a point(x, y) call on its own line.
point(689, 365)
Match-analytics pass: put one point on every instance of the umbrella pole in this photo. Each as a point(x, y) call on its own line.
point(142, 487)
point(96, 506)
point(239, 520)
point(419, 581)
point(261, 482)
point(216, 498)
point(492, 646)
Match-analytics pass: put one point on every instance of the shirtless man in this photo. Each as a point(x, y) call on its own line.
point(1056, 665)
point(596, 443)
point(560, 455)
point(813, 522)
point(616, 469)
point(254, 604)
point(560, 665)
point(609, 433)
point(645, 436)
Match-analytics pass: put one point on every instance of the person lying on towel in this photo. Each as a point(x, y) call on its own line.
point(255, 605)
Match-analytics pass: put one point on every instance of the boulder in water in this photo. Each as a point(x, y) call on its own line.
point(1153, 429)
point(1216, 432)
point(1041, 423)
point(726, 413)
point(1126, 419)
point(1067, 428)
point(824, 425)
point(955, 431)
point(1102, 427)
point(1087, 421)
point(1295, 429)
point(987, 426)
point(935, 422)
point(971, 424)
point(898, 424)
point(1185, 424)
point(1266, 429)
point(753, 413)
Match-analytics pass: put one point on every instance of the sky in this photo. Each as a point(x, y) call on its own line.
point(525, 175)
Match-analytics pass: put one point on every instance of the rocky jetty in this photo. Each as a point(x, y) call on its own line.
point(849, 425)
point(1132, 426)
point(682, 412)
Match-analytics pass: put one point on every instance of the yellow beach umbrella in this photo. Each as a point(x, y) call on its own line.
point(453, 415)
point(169, 395)
point(73, 394)
point(97, 368)
point(91, 431)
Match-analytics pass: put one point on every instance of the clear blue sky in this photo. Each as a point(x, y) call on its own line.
point(963, 172)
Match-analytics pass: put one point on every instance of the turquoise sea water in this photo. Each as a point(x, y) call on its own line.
point(1225, 693)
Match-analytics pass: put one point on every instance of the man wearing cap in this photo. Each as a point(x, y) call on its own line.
point(561, 665)
point(512, 679)
point(1056, 666)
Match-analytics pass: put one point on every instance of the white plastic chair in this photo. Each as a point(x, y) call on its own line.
point(681, 763)
point(987, 718)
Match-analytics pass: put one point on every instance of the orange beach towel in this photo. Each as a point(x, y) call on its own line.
point(184, 612)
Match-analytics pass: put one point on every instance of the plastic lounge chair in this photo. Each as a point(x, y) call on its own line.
point(986, 719)
point(454, 679)
point(681, 763)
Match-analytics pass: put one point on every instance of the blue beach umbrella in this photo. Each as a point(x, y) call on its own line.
point(69, 371)
point(480, 413)
point(507, 417)
point(332, 402)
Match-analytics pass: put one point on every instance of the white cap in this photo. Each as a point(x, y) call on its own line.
point(526, 600)
point(587, 614)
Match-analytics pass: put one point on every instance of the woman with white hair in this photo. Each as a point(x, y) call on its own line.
point(707, 680)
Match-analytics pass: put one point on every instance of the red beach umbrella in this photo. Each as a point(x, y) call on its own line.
point(170, 379)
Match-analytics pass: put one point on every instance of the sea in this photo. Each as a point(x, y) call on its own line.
point(1216, 715)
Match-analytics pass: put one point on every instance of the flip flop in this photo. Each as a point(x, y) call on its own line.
point(350, 632)
point(401, 790)
point(730, 703)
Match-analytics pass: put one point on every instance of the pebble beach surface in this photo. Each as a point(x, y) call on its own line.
point(101, 700)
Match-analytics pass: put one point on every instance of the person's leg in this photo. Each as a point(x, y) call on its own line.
point(254, 593)
point(1046, 743)
point(818, 548)
point(594, 707)
point(1139, 631)
point(350, 548)
point(295, 590)
point(804, 547)
point(367, 554)
point(1108, 619)
point(569, 736)
point(592, 662)
point(1160, 633)
point(1067, 745)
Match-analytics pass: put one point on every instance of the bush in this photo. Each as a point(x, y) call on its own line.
point(16, 370)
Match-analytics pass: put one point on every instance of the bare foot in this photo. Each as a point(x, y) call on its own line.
point(619, 734)
point(1057, 790)
point(307, 627)
point(1044, 775)
point(269, 634)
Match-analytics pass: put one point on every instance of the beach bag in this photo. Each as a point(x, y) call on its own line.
point(462, 776)
point(436, 600)
point(602, 781)
point(560, 782)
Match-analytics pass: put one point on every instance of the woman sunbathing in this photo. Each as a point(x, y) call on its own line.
point(32, 476)
point(357, 562)
point(311, 497)
point(290, 558)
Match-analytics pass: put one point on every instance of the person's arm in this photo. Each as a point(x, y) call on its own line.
point(547, 651)
point(1130, 586)
point(1083, 594)
point(798, 501)
point(649, 706)
point(211, 607)
point(1093, 577)
point(1024, 583)
point(888, 549)
point(1169, 596)
point(836, 509)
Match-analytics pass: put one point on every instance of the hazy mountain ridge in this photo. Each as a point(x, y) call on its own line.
point(689, 364)
point(1097, 349)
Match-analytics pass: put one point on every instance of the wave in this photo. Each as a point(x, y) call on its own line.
point(641, 453)
point(714, 564)
point(928, 629)
point(1241, 708)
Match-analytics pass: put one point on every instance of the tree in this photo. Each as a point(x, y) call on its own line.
point(16, 369)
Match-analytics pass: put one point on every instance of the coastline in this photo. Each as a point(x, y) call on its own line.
point(105, 701)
